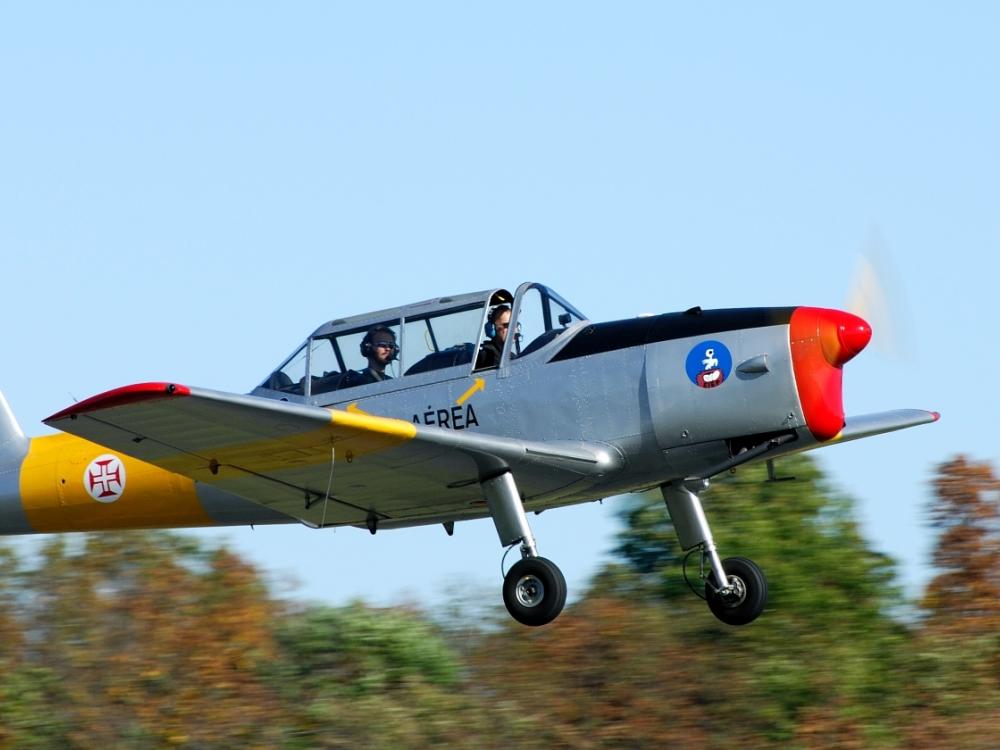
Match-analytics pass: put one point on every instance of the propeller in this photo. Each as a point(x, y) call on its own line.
point(876, 295)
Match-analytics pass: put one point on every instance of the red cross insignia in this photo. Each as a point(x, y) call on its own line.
point(104, 478)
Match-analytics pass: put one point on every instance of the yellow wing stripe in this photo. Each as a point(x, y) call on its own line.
point(387, 426)
point(355, 433)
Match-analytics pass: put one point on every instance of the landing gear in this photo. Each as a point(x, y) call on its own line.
point(746, 596)
point(534, 589)
point(742, 596)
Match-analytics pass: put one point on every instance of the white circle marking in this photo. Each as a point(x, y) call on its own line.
point(104, 478)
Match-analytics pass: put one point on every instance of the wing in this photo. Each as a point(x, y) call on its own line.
point(855, 428)
point(868, 425)
point(293, 457)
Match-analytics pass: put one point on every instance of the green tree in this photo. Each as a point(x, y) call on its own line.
point(357, 650)
point(27, 691)
point(356, 676)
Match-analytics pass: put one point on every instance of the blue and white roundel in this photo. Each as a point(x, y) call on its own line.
point(709, 364)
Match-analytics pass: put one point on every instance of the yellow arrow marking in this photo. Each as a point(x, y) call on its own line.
point(355, 409)
point(479, 385)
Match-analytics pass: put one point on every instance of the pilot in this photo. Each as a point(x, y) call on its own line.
point(497, 326)
point(379, 348)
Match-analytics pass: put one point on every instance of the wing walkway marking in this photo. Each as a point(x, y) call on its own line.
point(479, 385)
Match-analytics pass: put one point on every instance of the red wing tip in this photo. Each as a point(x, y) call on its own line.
point(936, 415)
point(129, 394)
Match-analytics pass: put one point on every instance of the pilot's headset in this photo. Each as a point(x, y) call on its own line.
point(490, 329)
point(367, 345)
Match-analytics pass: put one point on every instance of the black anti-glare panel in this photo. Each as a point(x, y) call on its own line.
point(622, 334)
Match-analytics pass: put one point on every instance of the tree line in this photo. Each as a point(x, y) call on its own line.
point(153, 639)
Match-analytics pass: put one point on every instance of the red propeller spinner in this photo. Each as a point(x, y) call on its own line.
point(822, 341)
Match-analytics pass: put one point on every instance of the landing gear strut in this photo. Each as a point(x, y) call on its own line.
point(743, 592)
point(534, 589)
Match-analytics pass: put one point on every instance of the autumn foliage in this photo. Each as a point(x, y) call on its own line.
point(153, 640)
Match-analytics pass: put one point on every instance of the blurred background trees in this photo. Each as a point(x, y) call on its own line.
point(153, 640)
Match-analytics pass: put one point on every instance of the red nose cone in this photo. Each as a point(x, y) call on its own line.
point(854, 335)
point(821, 342)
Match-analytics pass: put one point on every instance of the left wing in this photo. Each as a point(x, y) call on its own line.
point(293, 457)
point(880, 423)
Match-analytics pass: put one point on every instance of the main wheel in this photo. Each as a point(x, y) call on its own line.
point(747, 601)
point(534, 591)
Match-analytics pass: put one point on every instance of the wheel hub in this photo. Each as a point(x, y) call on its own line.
point(530, 591)
point(735, 593)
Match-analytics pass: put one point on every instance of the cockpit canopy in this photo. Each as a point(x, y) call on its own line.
point(428, 336)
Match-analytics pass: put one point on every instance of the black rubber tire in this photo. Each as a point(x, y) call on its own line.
point(534, 591)
point(751, 605)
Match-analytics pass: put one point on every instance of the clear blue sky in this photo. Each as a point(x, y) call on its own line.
point(188, 189)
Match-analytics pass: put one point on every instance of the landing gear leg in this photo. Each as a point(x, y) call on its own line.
point(743, 593)
point(534, 589)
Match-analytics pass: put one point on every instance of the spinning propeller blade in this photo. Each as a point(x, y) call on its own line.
point(876, 296)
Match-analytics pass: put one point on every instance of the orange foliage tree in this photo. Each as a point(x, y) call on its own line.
point(154, 641)
point(955, 680)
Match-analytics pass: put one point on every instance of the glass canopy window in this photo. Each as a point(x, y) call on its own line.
point(339, 361)
point(423, 342)
point(541, 316)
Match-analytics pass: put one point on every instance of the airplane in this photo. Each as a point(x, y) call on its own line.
point(455, 408)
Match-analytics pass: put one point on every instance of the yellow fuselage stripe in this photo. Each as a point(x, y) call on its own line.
point(53, 485)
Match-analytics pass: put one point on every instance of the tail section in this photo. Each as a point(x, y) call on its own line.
point(60, 482)
point(13, 449)
point(13, 443)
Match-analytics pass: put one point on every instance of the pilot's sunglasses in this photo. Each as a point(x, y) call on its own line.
point(503, 326)
point(384, 345)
